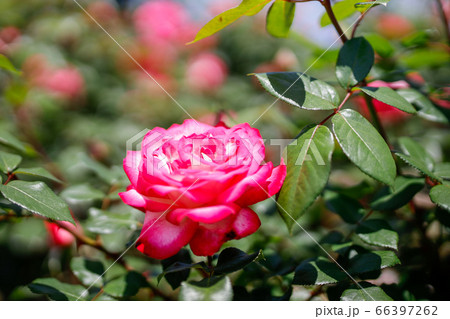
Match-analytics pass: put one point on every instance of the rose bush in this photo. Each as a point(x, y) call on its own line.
point(195, 183)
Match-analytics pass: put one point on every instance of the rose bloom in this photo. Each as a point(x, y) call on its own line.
point(162, 21)
point(206, 72)
point(66, 83)
point(59, 237)
point(195, 183)
point(387, 113)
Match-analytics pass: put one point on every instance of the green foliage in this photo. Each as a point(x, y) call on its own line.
point(364, 146)
point(37, 173)
point(308, 168)
point(398, 195)
point(56, 290)
point(126, 286)
point(232, 259)
point(279, 18)
point(440, 195)
point(246, 8)
point(369, 292)
point(88, 271)
point(320, 271)
point(372, 261)
point(300, 90)
point(377, 232)
point(390, 97)
point(342, 9)
point(103, 222)
point(9, 162)
point(354, 62)
point(38, 198)
point(350, 210)
point(218, 289)
point(6, 64)
point(425, 108)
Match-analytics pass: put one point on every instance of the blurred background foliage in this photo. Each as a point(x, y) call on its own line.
point(79, 97)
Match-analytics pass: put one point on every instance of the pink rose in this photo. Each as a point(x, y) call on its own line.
point(206, 72)
point(157, 22)
point(195, 183)
point(58, 236)
point(387, 113)
point(65, 82)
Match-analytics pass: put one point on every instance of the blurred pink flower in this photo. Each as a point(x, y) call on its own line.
point(58, 236)
point(65, 82)
point(206, 72)
point(163, 22)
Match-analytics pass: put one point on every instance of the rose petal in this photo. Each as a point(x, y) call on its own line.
point(246, 223)
point(208, 215)
point(161, 239)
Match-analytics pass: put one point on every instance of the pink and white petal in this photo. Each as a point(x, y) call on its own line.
point(161, 239)
point(246, 223)
point(207, 215)
point(131, 165)
point(133, 198)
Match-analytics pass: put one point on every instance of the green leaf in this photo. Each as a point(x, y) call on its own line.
point(57, 290)
point(308, 167)
point(341, 10)
point(108, 175)
point(88, 271)
point(103, 222)
point(403, 191)
point(177, 268)
point(373, 261)
point(363, 6)
point(5, 64)
point(232, 259)
point(82, 192)
point(126, 286)
point(10, 140)
point(37, 172)
point(368, 293)
point(246, 8)
point(354, 62)
point(377, 232)
point(318, 271)
point(280, 17)
point(419, 165)
point(38, 198)
point(389, 96)
point(350, 210)
point(442, 170)
point(364, 146)
point(425, 108)
point(440, 195)
point(426, 57)
point(381, 45)
point(300, 90)
point(219, 289)
point(9, 162)
point(415, 150)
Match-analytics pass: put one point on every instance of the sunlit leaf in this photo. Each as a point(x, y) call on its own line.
point(300, 90)
point(280, 17)
point(246, 8)
point(38, 198)
point(355, 60)
point(364, 146)
point(308, 167)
